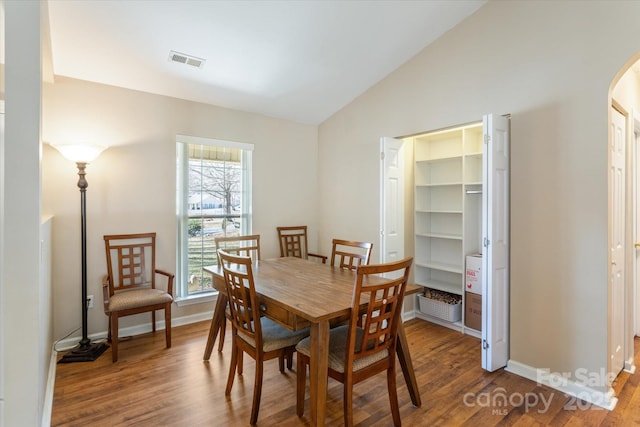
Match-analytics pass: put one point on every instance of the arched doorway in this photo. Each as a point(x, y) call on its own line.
point(624, 207)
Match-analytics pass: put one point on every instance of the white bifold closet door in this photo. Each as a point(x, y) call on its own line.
point(495, 232)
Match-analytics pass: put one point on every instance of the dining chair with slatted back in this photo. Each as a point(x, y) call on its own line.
point(261, 338)
point(130, 284)
point(365, 346)
point(248, 245)
point(350, 254)
point(294, 243)
point(240, 245)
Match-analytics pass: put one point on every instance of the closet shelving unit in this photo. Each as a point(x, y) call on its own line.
point(448, 208)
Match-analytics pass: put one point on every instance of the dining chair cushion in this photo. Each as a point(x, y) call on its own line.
point(338, 349)
point(275, 336)
point(134, 298)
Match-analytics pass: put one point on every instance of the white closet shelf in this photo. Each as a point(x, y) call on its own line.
point(452, 268)
point(441, 184)
point(441, 211)
point(441, 235)
point(440, 159)
point(452, 288)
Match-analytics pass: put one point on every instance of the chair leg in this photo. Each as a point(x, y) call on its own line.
point(348, 401)
point(114, 337)
point(290, 358)
point(257, 390)
point(221, 334)
point(223, 326)
point(240, 362)
point(301, 379)
point(153, 321)
point(167, 325)
point(232, 367)
point(393, 396)
point(109, 330)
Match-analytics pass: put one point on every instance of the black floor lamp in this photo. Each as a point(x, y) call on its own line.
point(85, 351)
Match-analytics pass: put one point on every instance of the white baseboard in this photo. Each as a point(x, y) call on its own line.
point(48, 393)
point(629, 366)
point(130, 331)
point(408, 315)
point(565, 384)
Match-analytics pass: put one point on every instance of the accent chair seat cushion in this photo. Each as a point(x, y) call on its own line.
point(134, 298)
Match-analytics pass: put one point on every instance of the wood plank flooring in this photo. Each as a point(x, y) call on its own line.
point(154, 386)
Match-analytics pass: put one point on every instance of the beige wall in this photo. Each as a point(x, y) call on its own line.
point(132, 186)
point(550, 65)
point(2, 81)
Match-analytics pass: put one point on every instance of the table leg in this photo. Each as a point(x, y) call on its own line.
point(318, 368)
point(216, 322)
point(402, 349)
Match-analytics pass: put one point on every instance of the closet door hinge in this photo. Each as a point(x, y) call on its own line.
point(487, 138)
point(382, 155)
point(486, 242)
point(485, 344)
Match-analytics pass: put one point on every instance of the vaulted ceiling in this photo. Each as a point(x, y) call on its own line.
point(300, 60)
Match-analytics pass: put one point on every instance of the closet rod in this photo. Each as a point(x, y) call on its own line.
point(473, 191)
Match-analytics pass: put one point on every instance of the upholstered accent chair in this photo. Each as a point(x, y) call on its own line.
point(130, 284)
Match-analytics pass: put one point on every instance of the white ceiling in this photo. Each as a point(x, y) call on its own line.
point(300, 60)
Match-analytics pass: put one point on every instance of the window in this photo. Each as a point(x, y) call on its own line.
point(213, 199)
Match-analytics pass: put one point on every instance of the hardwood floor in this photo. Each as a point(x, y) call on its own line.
point(152, 385)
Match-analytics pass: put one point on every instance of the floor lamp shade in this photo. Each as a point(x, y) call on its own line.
point(80, 153)
point(85, 351)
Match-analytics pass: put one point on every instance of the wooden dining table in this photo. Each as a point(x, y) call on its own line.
point(297, 293)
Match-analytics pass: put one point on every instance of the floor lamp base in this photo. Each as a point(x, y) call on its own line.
point(84, 353)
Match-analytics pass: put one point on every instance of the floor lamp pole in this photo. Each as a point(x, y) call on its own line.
point(85, 351)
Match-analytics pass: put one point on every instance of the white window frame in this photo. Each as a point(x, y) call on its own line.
point(182, 216)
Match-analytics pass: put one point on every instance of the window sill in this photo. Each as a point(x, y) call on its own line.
point(197, 299)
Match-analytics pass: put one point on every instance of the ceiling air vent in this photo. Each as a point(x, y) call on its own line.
point(183, 58)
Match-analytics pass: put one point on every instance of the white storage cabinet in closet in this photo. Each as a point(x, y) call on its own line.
point(461, 205)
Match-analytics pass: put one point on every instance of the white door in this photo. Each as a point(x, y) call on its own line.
point(495, 232)
point(2, 309)
point(617, 232)
point(391, 199)
point(636, 225)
